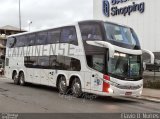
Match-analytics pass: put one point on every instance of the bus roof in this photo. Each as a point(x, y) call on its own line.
point(60, 26)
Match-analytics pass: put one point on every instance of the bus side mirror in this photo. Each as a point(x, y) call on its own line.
point(151, 54)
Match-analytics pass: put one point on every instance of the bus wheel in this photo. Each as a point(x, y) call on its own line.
point(62, 85)
point(15, 79)
point(76, 87)
point(21, 79)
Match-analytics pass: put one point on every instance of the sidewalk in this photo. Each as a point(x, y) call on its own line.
point(152, 95)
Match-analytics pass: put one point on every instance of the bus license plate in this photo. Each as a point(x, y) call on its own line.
point(128, 93)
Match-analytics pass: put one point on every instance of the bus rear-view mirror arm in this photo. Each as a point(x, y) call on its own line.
point(151, 55)
point(104, 44)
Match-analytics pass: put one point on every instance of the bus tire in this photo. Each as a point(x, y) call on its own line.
point(15, 79)
point(62, 85)
point(76, 87)
point(21, 79)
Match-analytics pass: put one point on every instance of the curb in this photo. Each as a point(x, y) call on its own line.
point(147, 99)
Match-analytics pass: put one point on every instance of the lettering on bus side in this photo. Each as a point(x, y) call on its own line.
point(52, 49)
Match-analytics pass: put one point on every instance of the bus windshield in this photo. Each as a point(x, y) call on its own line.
point(125, 66)
point(121, 35)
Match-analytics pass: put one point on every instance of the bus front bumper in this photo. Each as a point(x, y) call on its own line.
point(115, 92)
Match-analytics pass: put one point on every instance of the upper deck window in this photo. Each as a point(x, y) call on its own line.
point(53, 36)
point(91, 31)
point(68, 35)
point(31, 39)
point(41, 38)
point(121, 34)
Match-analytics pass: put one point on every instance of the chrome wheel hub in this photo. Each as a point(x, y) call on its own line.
point(62, 85)
point(76, 88)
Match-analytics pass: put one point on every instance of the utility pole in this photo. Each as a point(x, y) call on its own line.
point(20, 15)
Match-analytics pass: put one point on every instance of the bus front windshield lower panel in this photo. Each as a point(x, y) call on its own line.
point(125, 67)
point(122, 36)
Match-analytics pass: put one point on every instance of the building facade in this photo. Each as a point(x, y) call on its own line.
point(142, 15)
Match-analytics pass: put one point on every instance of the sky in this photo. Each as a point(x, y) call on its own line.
point(44, 13)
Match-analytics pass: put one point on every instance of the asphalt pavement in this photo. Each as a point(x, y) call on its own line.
point(42, 99)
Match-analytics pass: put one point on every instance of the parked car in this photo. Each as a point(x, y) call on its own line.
point(152, 67)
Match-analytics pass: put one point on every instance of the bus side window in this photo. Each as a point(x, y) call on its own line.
point(75, 64)
point(53, 36)
point(96, 62)
point(91, 32)
point(43, 62)
point(30, 61)
point(41, 38)
point(31, 39)
point(60, 62)
point(72, 64)
point(11, 42)
point(53, 61)
point(21, 41)
point(69, 35)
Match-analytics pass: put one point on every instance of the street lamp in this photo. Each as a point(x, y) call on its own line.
point(29, 24)
point(20, 14)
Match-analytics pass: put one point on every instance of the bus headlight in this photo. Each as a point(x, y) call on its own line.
point(140, 92)
point(110, 90)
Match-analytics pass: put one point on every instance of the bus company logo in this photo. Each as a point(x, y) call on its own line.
point(111, 8)
point(106, 8)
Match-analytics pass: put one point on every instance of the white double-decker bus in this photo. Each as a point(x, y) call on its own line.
point(93, 56)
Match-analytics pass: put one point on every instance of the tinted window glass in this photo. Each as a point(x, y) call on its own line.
point(74, 64)
point(43, 62)
point(68, 35)
point(41, 38)
point(30, 62)
point(60, 64)
point(96, 62)
point(53, 36)
point(53, 61)
point(91, 32)
point(31, 39)
point(20, 41)
point(11, 42)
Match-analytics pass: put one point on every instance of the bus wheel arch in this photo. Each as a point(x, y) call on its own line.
point(15, 77)
point(14, 73)
point(75, 85)
point(62, 84)
point(21, 78)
